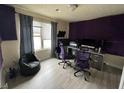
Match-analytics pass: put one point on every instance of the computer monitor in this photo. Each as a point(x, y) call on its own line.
point(72, 43)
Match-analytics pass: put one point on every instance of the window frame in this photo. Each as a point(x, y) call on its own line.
point(38, 36)
point(41, 37)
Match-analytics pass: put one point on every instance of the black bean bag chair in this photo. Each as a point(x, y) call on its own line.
point(29, 64)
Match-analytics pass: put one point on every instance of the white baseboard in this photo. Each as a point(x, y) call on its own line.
point(114, 65)
point(5, 86)
point(114, 60)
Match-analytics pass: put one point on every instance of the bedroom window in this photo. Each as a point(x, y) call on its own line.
point(37, 37)
point(41, 35)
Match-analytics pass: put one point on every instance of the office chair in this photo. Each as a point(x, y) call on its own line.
point(63, 56)
point(82, 62)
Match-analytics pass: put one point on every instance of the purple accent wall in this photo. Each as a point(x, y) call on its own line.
point(110, 29)
point(7, 23)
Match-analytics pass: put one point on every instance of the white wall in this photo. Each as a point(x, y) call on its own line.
point(10, 49)
point(10, 52)
point(43, 54)
point(121, 85)
point(0, 78)
point(63, 26)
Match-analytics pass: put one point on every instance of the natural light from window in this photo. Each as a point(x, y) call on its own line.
point(41, 35)
point(37, 38)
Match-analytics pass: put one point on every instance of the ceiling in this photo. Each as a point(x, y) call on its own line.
point(83, 12)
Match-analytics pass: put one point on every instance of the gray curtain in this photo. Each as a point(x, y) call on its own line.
point(53, 38)
point(26, 34)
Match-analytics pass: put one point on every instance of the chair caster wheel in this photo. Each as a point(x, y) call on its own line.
point(85, 79)
point(89, 74)
point(75, 75)
point(64, 67)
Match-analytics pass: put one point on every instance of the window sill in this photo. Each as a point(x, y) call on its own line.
point(42, 49)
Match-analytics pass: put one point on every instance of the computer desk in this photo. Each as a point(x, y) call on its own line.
point(96, 57)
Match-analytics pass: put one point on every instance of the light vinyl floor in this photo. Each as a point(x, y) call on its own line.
point(53, 76)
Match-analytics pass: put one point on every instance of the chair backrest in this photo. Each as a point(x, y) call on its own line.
point(82, 59)
point(27, 58)
point(31, 57)
point(62, 51)
point(82, 55)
